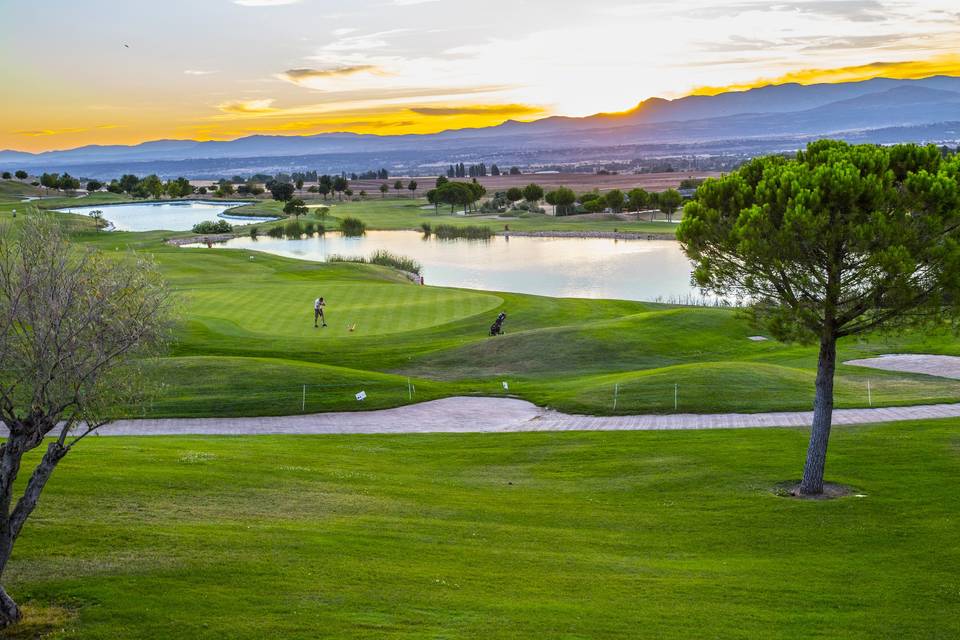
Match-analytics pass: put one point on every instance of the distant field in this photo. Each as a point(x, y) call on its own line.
point(577, 181)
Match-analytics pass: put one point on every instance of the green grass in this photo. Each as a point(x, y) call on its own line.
point(539, 535)
point(16, 190)
point(244, 313)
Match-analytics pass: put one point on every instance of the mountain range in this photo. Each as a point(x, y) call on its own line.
point(770, 118)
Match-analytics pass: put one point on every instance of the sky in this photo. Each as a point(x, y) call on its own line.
point(80, 72)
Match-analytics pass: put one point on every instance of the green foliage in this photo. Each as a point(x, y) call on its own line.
point(562, 199)
point(848, 238)
point(352, 227)
point(281, 191)
point(211, 226)
point(449, 232)
point(837, 242)
point(615, 200)
point(292, 229)
point(295, 207)
point(638, 199)
point(403, 263)
point(514, 194)
point(669, 201)
point(533, 193)
point(179, 188)
point(149, 187)
point(21, 174)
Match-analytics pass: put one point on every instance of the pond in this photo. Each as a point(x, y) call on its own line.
point(179, 215)
point(652, 270)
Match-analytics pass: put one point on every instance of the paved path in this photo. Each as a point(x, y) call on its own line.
point(474, 415)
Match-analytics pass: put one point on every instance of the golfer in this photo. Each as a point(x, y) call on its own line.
point(318, 306)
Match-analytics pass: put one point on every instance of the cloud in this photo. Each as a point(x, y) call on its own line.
point(47, 132)
point(248, 107)
point(264, 3)
point(407, 3)
point(479, 110)
point(304, 75)
point(197, 72)
point(948, 64)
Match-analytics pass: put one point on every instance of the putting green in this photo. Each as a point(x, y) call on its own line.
point(369, 308)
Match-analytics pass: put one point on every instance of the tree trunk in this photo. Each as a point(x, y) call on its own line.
point(9, 611)
point(812, 483)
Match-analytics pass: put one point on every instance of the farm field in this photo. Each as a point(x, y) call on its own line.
point(575, 535)
point(579, 182)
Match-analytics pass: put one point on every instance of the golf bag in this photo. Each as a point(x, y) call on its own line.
point(496, 329)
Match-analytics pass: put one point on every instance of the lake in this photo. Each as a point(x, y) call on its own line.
point(170, 216)
point(560, 267)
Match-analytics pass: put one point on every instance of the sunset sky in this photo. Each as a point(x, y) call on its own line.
point(221, 69)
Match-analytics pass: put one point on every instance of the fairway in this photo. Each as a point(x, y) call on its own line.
point(538, 535)
point(245, 344)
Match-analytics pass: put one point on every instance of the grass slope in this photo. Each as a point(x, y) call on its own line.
point(536, 535)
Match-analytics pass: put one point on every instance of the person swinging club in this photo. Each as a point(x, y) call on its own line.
point(318, 306)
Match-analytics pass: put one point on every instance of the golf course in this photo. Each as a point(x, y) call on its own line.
point(572, 535)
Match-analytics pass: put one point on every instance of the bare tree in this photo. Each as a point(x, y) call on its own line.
point(74, 324)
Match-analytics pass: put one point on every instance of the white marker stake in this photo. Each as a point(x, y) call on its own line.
point(506, 387)
point(361, 396)
point(303, 403)
point(676, 390)
point(869, 394)
point(616, 392)
point(409, 390)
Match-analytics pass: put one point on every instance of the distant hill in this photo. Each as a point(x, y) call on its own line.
point(781, 115)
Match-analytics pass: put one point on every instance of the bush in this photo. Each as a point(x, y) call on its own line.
point(383, 258)
point(449, 231)
point(403, 263)
point(427, 229)
point(209, 226)
point(352, 227)
point(253, 231)
point(309, 228)
point(292, 229)
point(275, 231)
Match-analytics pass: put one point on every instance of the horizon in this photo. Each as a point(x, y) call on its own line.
point(702, 92)
point(398, 67)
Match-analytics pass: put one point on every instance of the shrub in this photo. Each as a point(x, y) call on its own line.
point(275, 231)
point(426, 228)
point(387, 259)
point(253, 231)
point(449, 231)
point(383, 258)
point(309, 228)
point(209, 226)
point(292, 229)
point(352, 227)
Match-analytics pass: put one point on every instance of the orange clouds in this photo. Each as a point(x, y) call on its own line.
point(247, 107)
point(948, 64)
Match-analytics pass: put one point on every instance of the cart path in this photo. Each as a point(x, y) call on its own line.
point(500, 415)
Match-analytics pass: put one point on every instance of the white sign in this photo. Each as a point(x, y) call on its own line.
point(506, 386)
point(362, 395)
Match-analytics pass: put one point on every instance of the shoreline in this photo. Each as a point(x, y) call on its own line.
point(612, 235)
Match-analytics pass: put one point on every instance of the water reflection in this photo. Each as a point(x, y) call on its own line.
point(560, 267)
